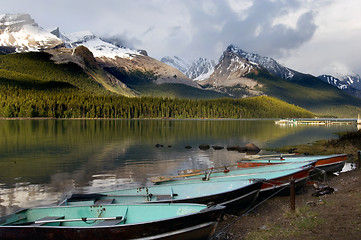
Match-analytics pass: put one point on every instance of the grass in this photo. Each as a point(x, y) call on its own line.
point(302, 219)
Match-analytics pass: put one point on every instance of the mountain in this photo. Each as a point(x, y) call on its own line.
point(342, 77)
point(177, 62)
point(271, 65)
point(118, 69)
point(104, 66)
point(241, 74)
point(349, 84)
point(22, 33)
point(197, 70)
point(201, 69)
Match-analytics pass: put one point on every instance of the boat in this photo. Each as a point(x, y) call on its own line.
point(286, 121)
point(240, 194)
point(138, 221)
point(326, 163)
point(276, 178)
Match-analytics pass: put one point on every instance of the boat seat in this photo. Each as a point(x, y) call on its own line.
point(109, 222)
point(48, 218)
point(164, 197)
point(104, 201)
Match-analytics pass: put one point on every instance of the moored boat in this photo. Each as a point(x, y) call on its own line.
point(327, 163)
point(229, 193)
point(276, 177)
point(143, 221)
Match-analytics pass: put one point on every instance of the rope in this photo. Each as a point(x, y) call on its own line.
point(325, 180)
point(249, 210)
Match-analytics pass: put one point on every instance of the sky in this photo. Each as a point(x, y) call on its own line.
point(310, 36)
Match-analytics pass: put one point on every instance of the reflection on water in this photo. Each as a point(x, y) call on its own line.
point(42, 160)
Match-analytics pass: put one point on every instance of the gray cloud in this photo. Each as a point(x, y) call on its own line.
point(255, 32)
point(187, 28)
point(194, 28)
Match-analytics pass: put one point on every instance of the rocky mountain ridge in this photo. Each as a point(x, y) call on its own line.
point(198, 70)
point(20, 33)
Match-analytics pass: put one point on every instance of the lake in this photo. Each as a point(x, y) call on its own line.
point(41, 161)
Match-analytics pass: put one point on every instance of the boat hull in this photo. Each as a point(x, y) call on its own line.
point(275, 177)
point(329, 164)
point(281, 185)
point(240, 194)
point(200, 225)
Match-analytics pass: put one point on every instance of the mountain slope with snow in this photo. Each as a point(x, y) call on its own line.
point(342, 77)
point(201, 69)
point(267, 63)
point(177, 62)
point(21, 32)
point(116, 58)
point(198, 69)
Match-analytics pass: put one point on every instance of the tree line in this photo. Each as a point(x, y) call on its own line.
point(16, 102)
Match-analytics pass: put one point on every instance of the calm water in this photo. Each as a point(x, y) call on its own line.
point(43, 160)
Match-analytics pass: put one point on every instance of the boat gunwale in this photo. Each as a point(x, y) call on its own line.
point(205, 210)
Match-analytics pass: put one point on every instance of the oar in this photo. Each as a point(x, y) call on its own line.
point(190, 171)
point(168, 178)
point(77, 220)
point(246, 157)
point(60, 220)
point(87, 196)
point(267, 156)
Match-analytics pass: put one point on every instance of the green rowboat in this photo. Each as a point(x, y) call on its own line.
point(143, 221)
point(275, 176)
point(229, 193)
point(328, 163)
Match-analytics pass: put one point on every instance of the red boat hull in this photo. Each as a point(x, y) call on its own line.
point(329, 165)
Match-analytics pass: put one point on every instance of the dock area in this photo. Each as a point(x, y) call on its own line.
point(312, 122)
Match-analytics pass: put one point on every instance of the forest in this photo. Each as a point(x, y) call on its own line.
point(33, 86)
point(19, 103)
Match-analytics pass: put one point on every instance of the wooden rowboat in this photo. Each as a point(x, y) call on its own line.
point(275, 177)
point(229, 193)
point(143, 221)
point(327, 163)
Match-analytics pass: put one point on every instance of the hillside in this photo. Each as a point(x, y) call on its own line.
point(310, 93)
point(33, 69)
point(242, 74)
point(32, 85)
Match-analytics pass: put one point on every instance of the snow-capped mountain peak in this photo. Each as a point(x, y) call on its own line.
point(177, 62)
point(15, 21)
point(198, 69)
point(201, 69)
point(21, 32)
point(267, 63)
point(341, 76)
point(97, 46)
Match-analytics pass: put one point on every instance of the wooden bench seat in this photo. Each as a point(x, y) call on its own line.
point(164, 197)
point(104, 201)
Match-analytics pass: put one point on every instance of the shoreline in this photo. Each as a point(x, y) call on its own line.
point(331, 216)
point(311, 220)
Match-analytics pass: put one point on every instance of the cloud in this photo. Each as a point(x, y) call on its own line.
point(250, 28)
point(293, 31)
point(187, 28)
